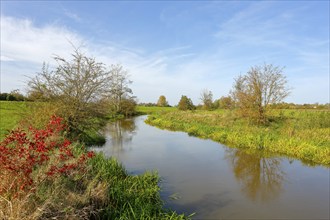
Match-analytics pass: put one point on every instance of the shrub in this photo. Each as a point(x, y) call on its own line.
point(23, 153)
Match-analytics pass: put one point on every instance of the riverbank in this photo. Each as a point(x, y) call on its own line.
point(62, 180)
point(302, 134)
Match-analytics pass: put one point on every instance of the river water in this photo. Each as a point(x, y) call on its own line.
point(217, 182)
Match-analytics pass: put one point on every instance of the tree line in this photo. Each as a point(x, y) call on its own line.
point(253, 94)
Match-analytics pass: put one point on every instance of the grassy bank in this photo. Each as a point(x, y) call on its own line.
point(103, 190)
point(37, 114)
point(303, 134)
point(93, 188)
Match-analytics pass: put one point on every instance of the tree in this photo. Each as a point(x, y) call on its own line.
point(162, 101)
point(206, 98)
point(260, 87)
point(17, 95)
point(3, 96)
point(226, 102)
point(119, 87)
point(185, 103)
point(79, 88)
point(128, 106)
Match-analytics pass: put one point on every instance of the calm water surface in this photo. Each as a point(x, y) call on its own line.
point(218, 182)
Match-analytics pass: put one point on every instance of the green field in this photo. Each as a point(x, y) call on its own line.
point(10, 114)
point(154, 109)
point(303, 134)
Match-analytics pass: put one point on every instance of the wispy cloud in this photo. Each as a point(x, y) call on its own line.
point(72, 15)
point(189, 58)
point(28, 46)
point(21, 40)
point(5, 58)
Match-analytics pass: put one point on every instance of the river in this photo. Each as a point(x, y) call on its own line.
point(218, 182)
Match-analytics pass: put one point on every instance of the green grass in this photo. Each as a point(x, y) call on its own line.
point(130, 196)
point(144, 110)
point(10, 114)
point(104, 191)
point(303, 134)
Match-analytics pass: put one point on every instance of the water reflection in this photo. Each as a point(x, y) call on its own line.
point(188, 165)
point(119, 134)
point(261, 178)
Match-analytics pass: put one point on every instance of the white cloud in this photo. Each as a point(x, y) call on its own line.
point(5, 58)
point(22, 41)
point(175, 71)
point(27, 46)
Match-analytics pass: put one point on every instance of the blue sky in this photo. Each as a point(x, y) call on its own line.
point(173, 48)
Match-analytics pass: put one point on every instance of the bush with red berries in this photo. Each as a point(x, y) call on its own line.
point(25, 152)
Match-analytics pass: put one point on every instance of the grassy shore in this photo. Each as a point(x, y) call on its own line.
point(103, 189)
point(303, 134)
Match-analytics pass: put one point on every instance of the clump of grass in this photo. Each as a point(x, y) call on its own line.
point(301, 134)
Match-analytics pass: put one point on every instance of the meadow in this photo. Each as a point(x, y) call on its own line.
point(10, 114)
point(302, 134)
point(44, 175)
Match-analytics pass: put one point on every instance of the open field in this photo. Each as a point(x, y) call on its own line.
point(303, 134)
point(10, 114)
point(154, 109)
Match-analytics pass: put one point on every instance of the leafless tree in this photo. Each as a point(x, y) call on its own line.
point(259, 88)
point(207, 99)
point(80, 88)
point(119, 86)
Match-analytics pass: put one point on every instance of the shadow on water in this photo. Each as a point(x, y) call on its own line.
point(260, 176)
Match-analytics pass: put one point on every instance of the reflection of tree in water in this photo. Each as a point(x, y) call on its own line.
point(261, 177)
point(121, 133)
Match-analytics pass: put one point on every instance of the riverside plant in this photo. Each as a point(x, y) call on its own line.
point(45, 176)
point(297, 134)
point(25, 153)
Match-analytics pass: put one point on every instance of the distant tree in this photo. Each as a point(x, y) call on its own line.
point(260, 87)
point(185, 103)
point(162, 101)
point(3, 96)
point(149, 104)
point(226, 102)
point(207, 99)
point(34, 95)
point(119, 87)
point(17, 95)
point(10, 97)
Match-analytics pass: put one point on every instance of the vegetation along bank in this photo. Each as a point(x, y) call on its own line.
point(303, 134)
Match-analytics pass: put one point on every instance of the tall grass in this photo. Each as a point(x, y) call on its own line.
point(105, 191)
point(303, 134)
point(102, 190)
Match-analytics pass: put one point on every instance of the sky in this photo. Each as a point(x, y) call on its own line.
point(173, 48)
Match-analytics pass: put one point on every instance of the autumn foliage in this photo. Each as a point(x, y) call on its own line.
point(32, 155)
